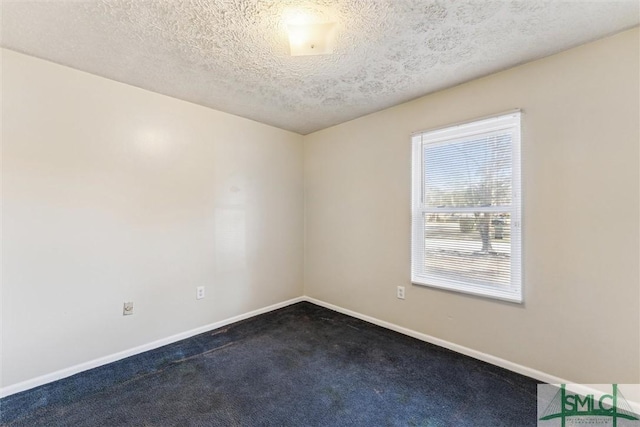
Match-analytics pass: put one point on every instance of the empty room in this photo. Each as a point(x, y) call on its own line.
point(320, 213)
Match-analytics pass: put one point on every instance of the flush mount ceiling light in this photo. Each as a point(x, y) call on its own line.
point(311, 39)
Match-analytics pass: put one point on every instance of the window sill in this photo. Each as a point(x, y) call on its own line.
point(510, 294)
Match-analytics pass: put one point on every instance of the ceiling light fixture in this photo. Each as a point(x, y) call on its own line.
point(311, 39)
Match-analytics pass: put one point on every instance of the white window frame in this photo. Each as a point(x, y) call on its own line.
point(510, 122)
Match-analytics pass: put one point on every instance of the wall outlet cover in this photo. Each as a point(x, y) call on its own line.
point(127, 309)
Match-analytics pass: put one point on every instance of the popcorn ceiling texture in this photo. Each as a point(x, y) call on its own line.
point(233, 55)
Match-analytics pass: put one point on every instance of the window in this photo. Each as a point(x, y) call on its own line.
point(466, 230)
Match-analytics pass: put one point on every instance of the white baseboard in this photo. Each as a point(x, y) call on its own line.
point(497, 361)
point(493, 360)
point(541, 376)
point(67, 372)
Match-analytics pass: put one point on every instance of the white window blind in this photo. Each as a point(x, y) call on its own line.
point(466, 227)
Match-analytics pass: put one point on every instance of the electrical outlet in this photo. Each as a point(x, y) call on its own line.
point(200, 292)
point(127, 309)
point(400, 292)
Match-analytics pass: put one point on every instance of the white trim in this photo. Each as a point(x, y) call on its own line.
point(497, 361)
point(72, 370)
point(462, 123)
point(493, 360)
point(471, 288)
point(488, 358)
point(507, 126)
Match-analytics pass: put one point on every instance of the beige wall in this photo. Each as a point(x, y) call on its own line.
point(580, 320)
point(113, 194)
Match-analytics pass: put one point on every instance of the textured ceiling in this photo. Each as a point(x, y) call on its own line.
point(233, 55)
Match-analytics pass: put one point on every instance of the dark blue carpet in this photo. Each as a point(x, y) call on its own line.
point(302, 365)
